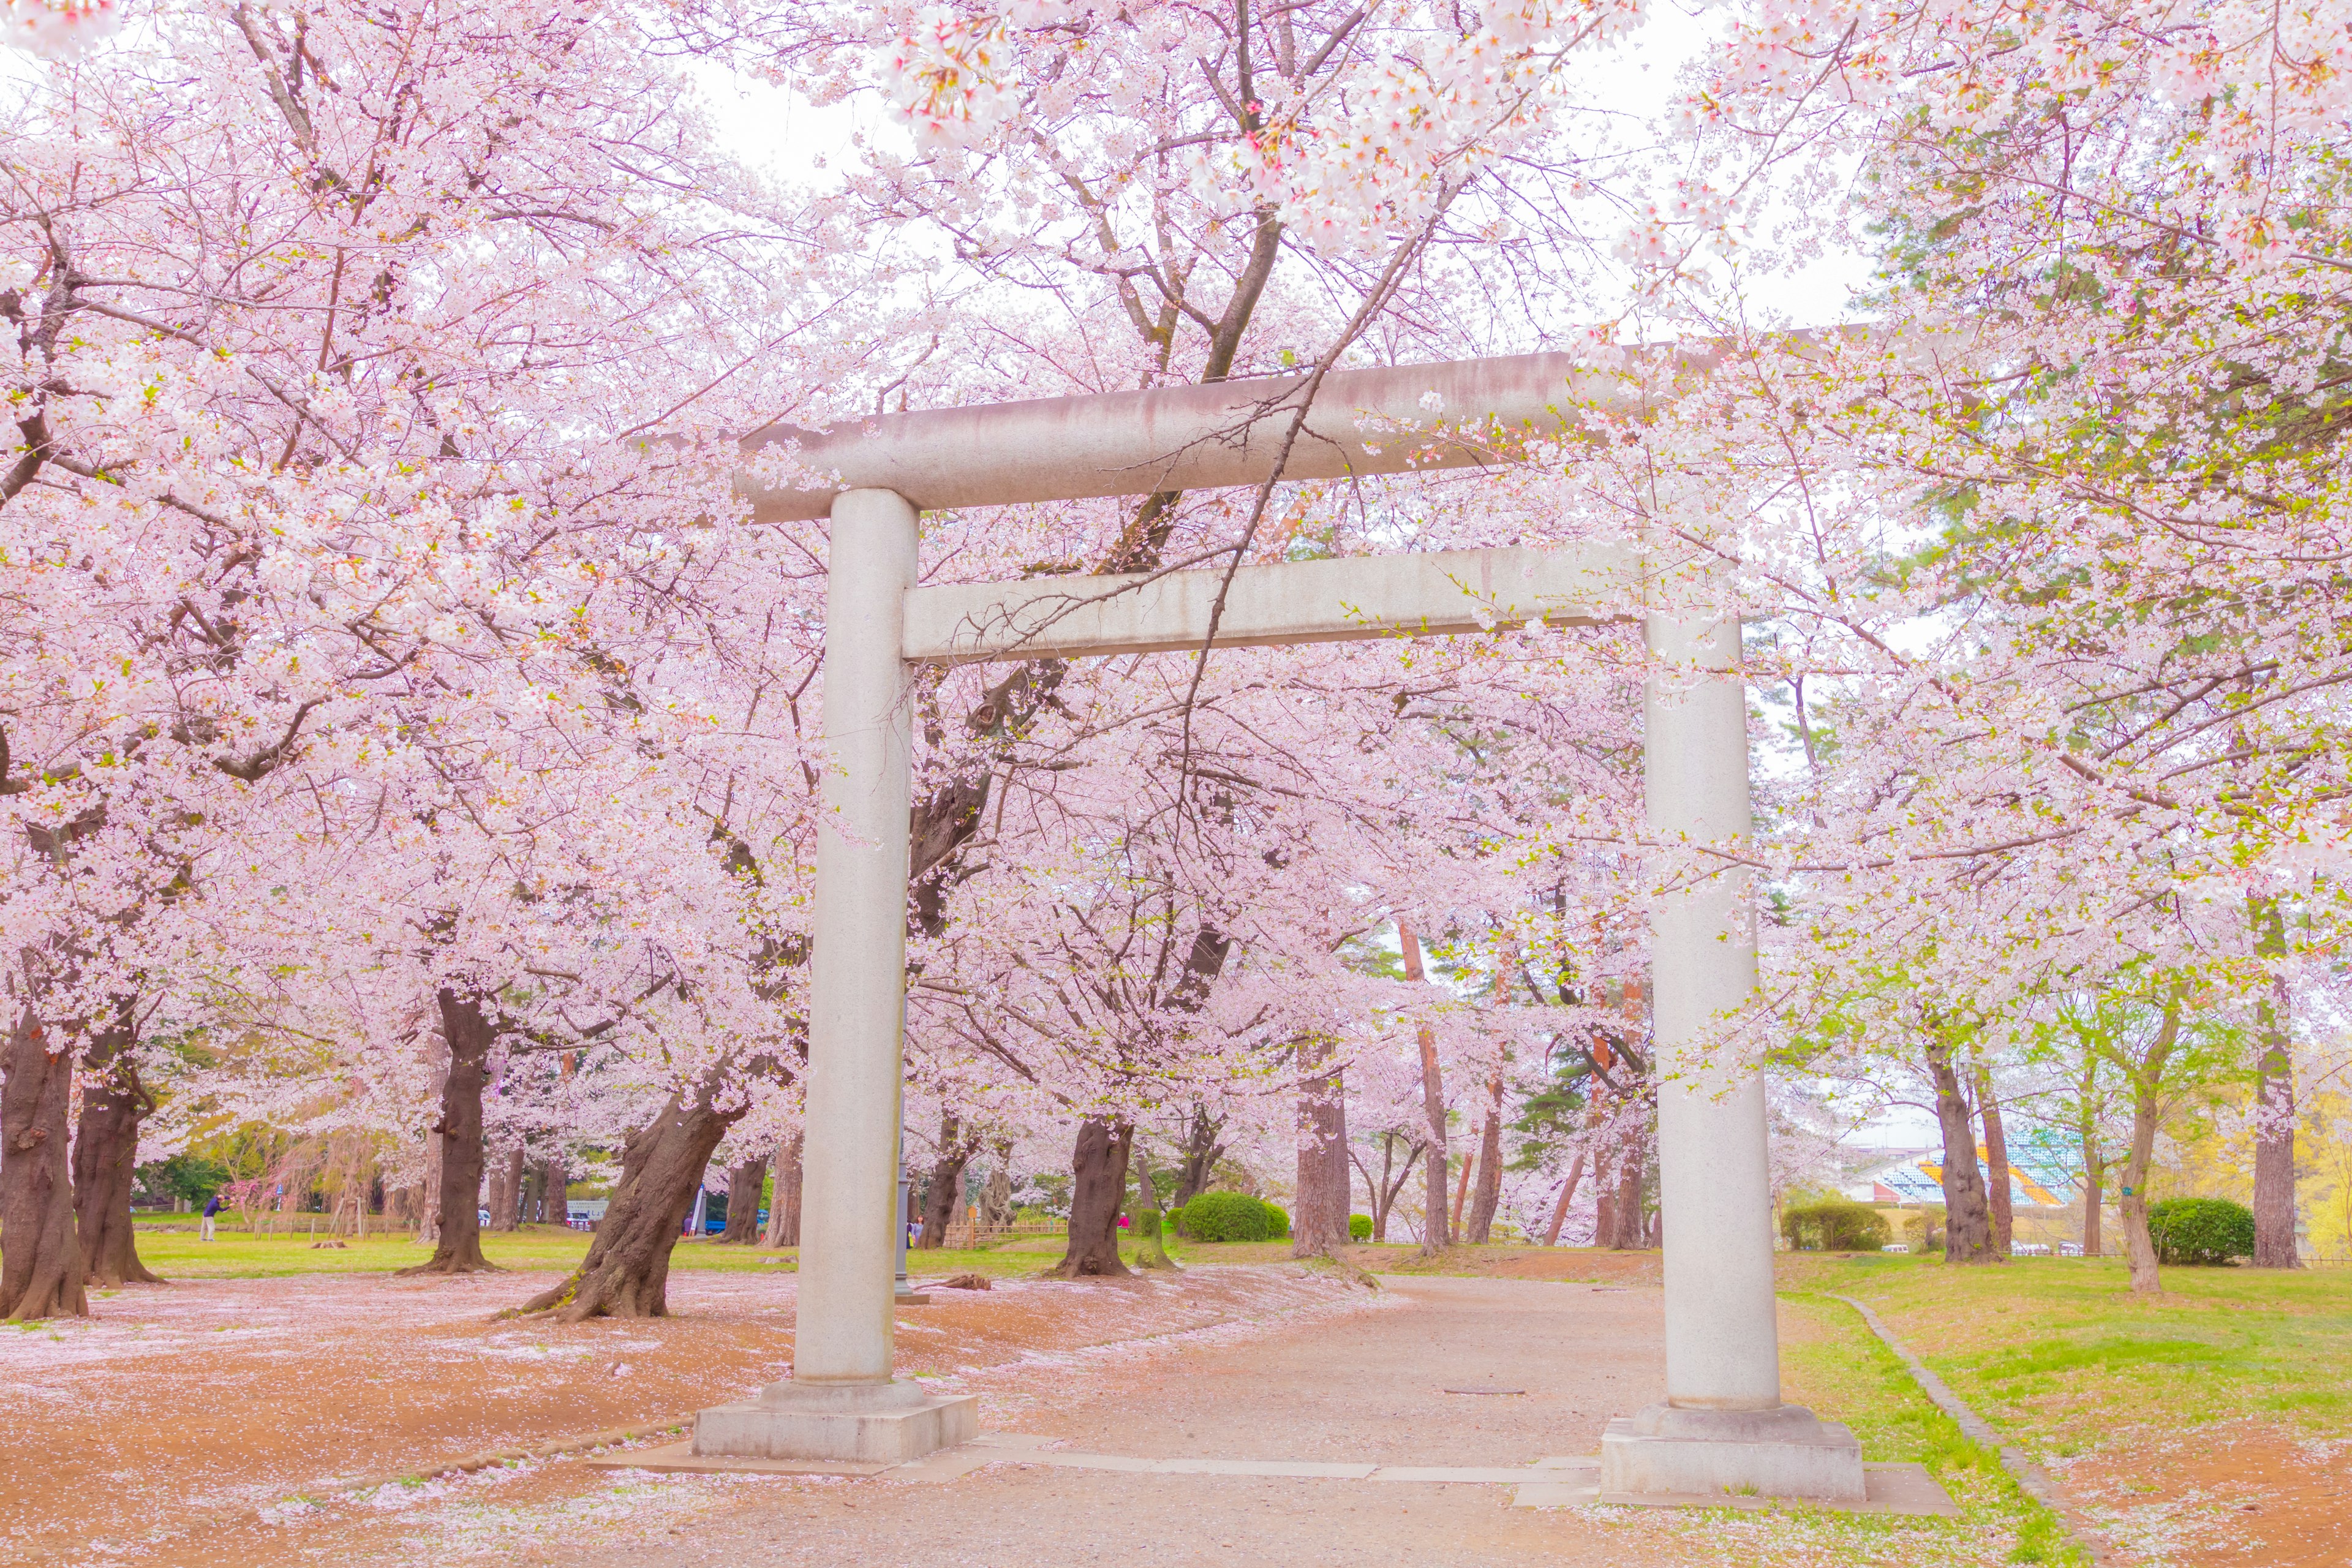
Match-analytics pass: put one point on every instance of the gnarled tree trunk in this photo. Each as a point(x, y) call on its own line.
point(1100, 1165)
point(1489, 1197)
point(106, 1159)
point(785, 1208)
point(1968, 1219)
point(744, 1179)
point(1320, 1225)
point(458, 1242)
point(1567, 1196)
point(996, 1196)
point(1998, 1200)
point(40, 1253)
point(944, 1194)
point(1201, 1153)
point(626, 1271)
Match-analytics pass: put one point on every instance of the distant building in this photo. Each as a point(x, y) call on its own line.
point(2039, 1177)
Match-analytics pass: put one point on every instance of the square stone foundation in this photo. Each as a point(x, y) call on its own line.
point(1785, 1452)
point(873, 1423)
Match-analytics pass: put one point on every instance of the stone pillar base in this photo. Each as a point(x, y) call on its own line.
point(888, 1423)
point(1784, 1452)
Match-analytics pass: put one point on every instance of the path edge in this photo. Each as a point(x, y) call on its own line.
point(2032, 1478)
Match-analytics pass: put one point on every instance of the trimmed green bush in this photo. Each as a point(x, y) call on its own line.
point(1232, 1216)
point(2200, 1231)
point(1359, 1227)
point(1834, 1225)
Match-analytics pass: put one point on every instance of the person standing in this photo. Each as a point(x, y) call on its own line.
point(211, 1207)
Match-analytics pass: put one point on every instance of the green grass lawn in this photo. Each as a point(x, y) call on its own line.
point(2060, 1355)
point(181, 1254)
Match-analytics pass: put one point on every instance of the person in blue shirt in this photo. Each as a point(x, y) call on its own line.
point(211, 1207)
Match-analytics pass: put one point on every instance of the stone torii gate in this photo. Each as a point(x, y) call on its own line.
point(1722, 1425)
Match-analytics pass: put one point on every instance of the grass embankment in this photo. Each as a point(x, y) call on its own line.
point(2060, 1355)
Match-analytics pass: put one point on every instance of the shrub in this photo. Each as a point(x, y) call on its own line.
point(2200, 1230)
point(1359, 1227)
point(1232, 1216)
point(1834, 1225)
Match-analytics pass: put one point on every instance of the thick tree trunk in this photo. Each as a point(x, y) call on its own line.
point(554, 1175)
point(504, 1202)
point(40, 1254)
point(785, 1208)
point(1617, 1215)
point(1143, 1216)
point(458, 1242)
point(626, 1271)
point(2274, 1120)
point(943, 1199)
point(1201, 1153)
point(1968, 1220)
point(428, 1223)
point(1320, 1223)
point(1999, 1199)
point(744, 1181)
point(1100, 1165)
point(1435, 1234)
point(1489, 1197)
point(996, 1197)
point(106, 1160)
point(1567, 1196)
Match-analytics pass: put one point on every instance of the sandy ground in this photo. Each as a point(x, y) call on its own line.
point(226, 1424)
point(1369, 1385)
point(222, 1424)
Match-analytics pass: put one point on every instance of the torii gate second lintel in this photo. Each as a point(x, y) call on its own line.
point(1722, 1426)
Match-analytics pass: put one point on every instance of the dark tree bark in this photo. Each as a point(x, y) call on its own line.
point(40, 1253)
point(1435, 1234)
point(743, 1182)
point(944, 1195)
point(1968, 1218)
point(554, 1175)
point(626, 1271)
point(1386, 1187)
point(2274, 1106)
point(1320, 1225)
point(1998, 1200)
point(1100, 1165)
point(1618, 1220)
point(458, 1243)
point(785, 1209)
point(996, 1196)
point(106, 1159)
point(1143, 1216)
point(1567, 1196)
point(1489, 1194)
point(1200, 1154)
point(504, 1202)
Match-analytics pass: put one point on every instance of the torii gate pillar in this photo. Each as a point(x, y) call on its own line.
point(1722, 1426)
point(840, 1404)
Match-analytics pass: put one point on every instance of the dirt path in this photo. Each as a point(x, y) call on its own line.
point(1366, 1386)
point(223, 1424)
